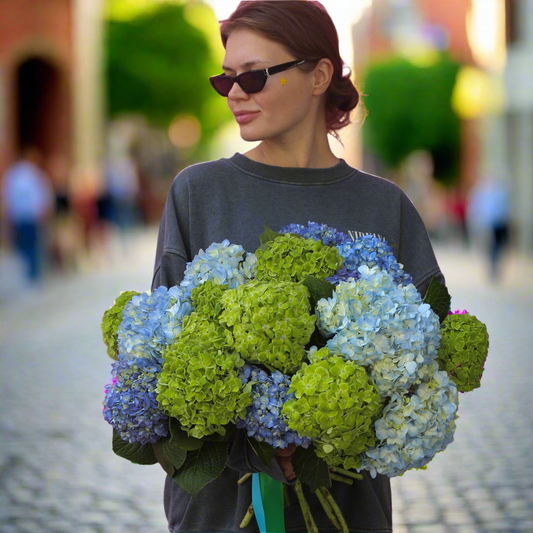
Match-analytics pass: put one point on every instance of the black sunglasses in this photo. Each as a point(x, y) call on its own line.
point(252, 81)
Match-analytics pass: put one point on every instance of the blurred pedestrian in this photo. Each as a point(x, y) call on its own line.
point(122, 197)
point(28, 199)
point(489, 210)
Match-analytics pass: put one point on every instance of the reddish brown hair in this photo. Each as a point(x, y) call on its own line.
point(306, 30)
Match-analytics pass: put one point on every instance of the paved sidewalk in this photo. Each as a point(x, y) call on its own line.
point(58, 473)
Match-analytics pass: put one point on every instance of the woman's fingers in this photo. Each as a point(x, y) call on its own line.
point(286, 452)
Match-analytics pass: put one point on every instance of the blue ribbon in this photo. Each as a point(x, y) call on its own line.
point(257, 500)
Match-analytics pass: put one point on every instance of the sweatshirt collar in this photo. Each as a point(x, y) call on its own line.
point(295, 175)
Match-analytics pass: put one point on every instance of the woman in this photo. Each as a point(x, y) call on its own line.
point(290, 177)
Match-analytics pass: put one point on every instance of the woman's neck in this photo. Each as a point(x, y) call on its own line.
point(275, 156)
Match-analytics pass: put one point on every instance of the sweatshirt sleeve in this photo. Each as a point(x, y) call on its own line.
point(415, 250)
point(171, 253)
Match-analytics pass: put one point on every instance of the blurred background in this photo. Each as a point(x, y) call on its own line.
point(103, 102)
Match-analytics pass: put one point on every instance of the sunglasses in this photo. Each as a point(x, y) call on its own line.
point(252, 81)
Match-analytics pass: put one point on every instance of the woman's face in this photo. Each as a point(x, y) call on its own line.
point(283, 104)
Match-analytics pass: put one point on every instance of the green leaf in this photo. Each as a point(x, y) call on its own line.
point(264, 451)
point(317, 339)
point(217, 437)
point(310, 469)
point(438, 297)
point(318, 289)
point(172, 452)
point(158, 450)
point(184, 441)
point(202, 466)
point(267, 236)
point(141, 454)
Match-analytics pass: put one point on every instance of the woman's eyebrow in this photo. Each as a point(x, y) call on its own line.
point(248, 64)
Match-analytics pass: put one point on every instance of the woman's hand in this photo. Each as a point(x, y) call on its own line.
point(283, 457)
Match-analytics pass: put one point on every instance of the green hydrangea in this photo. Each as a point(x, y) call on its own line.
point(271, 322)
point(111, 322)
point(336, 405)
point(463, 350)
point(199, 384)
point(206, 299)
point(290, 257)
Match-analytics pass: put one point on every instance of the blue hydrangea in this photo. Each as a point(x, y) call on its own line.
point(414, 428)
point(130, 404)
point(222, 263)
point(151, 321)
point(263, 418)
point(382, 326)
point(329, 236)
point(370, 251)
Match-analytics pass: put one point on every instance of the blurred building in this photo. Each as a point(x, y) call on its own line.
point(412, 27)
point(51, 84)
point(514, 129)
point(493, 39)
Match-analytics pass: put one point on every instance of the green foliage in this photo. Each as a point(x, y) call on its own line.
point(318, 289)
point(409, 108)
point(185, 442)
point(264, 451)
point(206, 299)
point(141, 454)
point(171, 451)
point(111, 322)
point(202, 466)
point(291, 257)
point(463, 349)
point(198, 384)
point(158, 65)
point(267, 236)
point(438, 297)
point(335, 404)
point(271, 322)
point(310, 469)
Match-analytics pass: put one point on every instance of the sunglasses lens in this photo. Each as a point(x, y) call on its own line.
point(222, 85)
point(252, 82)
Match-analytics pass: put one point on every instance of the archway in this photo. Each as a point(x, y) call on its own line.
point(42, 107)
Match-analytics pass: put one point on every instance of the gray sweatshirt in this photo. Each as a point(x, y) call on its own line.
point(233, 198)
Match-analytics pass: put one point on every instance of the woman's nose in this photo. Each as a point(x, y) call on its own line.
point(236, 92)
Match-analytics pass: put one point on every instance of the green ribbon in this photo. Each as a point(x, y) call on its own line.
point(267, 494)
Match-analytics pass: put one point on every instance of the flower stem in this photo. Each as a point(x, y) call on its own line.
point(336, 510)
point(342, 479)
point(244, 478)
point(328, 509)
point(345, 472)
point(308, 517)
point(286, 501)
point(247, 516)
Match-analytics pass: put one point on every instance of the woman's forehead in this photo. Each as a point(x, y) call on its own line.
point(246, 49)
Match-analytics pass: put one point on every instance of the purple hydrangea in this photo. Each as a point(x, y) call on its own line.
point(370, 251)
point(263, 418)
point(130, 403)
point(318, 232)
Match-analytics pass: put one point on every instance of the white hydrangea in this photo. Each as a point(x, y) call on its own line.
point(381, 325)
point(414, 428)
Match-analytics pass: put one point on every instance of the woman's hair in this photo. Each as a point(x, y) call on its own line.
point(306, 30)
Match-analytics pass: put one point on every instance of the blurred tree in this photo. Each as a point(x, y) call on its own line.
point(410, 108)
point(158, 64)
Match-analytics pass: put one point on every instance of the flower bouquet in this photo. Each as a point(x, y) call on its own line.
point(316, 340)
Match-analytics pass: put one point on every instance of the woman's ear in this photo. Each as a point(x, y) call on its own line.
point(322, 76)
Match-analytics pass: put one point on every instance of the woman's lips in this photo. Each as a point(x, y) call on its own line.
point(245, 118)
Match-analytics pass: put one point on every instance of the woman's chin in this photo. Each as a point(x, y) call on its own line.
point(250, 135)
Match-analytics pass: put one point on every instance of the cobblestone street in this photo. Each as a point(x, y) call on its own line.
point(58, 473)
